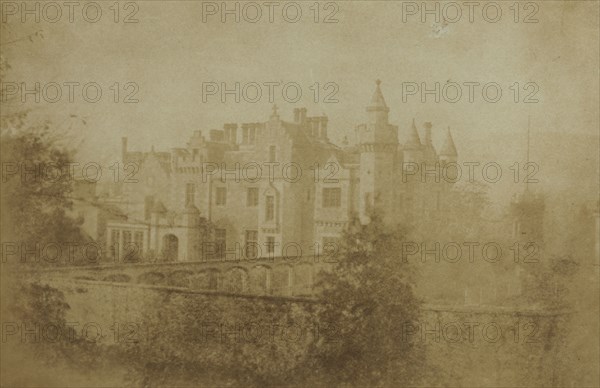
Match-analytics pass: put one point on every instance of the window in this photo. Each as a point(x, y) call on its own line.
point(251, 247)
point(148, 205)
point(114, 241)
point(190, 193)
point(251, 236)
point(220, 242)
point(252, 197)
point(138, 240)
point(126, 249)
point(221, 196)
point(270, 244)
point(126, 237)
point(332, 197)
point(272, 153)
point(270, 208)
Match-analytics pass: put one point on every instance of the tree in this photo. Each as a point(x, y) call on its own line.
point(36, 180)
point(368, 299)
point(37, 203)
point(215, 340)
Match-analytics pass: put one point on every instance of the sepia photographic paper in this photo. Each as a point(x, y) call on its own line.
point(300, 193)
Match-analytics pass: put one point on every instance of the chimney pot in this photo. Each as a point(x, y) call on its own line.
point(302, 115)
point(324, 121)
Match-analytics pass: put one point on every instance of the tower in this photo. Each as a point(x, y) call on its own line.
point(157, 214)
point(527, 210)
point(378, 141)
point(193, 234)
point(448, 152)
point(413, 149)
point(429, 154)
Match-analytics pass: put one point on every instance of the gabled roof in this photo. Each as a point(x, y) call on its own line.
point(190, 208)
point(159, 207)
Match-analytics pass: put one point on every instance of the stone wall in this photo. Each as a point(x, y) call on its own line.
point(467, 347)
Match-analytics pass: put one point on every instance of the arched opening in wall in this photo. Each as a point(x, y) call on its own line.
point(260, 280)
point(156, 278)
point(206, 280)
point(180, 279)
point(117, 278)
point(84, 278)
point(281, 281)
point(170, 244)
point(236, 280)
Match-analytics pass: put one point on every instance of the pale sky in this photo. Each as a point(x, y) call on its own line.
point(170, 52)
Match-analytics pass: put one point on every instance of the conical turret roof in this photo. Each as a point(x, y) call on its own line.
point(449, 149)
point(377, 101)
point(414, 141)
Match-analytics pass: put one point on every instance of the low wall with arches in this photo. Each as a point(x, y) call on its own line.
point(266, 276)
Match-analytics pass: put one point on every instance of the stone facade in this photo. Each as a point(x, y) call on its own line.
point(276, 188)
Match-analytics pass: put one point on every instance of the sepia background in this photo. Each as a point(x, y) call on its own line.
point(170, 52)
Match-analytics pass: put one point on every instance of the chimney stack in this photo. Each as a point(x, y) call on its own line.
point(323, 121)
point(313, 123)
point(296, 115)
point(230, 133)
point(302, 115)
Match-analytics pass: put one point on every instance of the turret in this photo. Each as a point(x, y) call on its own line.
point(528, 217)
point(448, 152)
point(413, 149)
point(274, 113)
point(378, 142)
point(158, 211)
point(195, 232)
point(378, 109)
point(429, 154)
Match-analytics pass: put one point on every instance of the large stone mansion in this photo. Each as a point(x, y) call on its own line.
point(280, 189)
point(275, 188)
